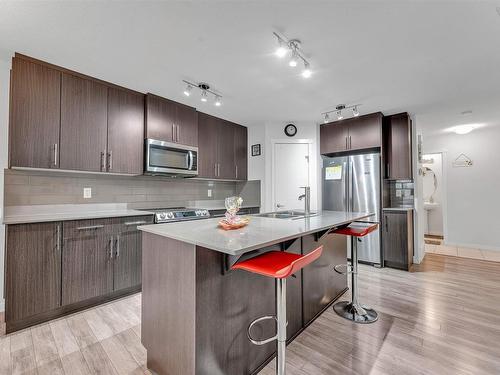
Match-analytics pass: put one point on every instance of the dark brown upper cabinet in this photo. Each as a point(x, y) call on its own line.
point(125, 131)
point(241, 152)
point(354, 134)
point(398, 147)
point(84, 108)
point(222, 149)
point(35, 104)
point(33, 270)
point(170, 121)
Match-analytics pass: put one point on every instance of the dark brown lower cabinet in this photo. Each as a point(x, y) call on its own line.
point(128, 253)
point(321, 285)
point(397, 239)
point(87, 262)
point(33, 270)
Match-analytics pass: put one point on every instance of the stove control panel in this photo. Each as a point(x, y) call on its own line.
point(180, 215)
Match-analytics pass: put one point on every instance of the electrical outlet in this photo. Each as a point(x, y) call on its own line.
point(209, 193)
point(87, 193)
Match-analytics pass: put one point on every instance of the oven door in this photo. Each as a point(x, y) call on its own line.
point(170, 159)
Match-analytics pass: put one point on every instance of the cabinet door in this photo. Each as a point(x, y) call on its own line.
point(333, 138)
point(207, 145)
point(321, 285)
point(399, 147)
point(160, 118)
point(34, 115)
point(365, 132)
point(225, 150)
point(84, 127)
point(125, 131)
point(395, 239)
point(128, 252)
point(241, 152)
point(33, 270)
point(186, 125)
point(87, 261)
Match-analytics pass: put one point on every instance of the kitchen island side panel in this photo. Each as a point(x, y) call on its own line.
point(168, 305)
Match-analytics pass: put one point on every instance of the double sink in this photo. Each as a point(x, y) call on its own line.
point(291, 214)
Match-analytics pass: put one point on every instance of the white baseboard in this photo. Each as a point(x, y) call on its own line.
point(472, 246)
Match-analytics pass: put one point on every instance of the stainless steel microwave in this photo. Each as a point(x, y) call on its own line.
point(170, 159)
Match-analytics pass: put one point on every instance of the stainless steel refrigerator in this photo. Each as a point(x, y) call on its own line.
point(352, 183)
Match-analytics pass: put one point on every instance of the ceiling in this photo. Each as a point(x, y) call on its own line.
point(432, 59)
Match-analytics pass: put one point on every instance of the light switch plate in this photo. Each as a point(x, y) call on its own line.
point(209, 193)
point(87, 193)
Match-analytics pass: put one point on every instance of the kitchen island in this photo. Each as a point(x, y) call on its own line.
point(195, 310)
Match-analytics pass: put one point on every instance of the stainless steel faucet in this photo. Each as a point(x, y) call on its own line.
point(307, 200)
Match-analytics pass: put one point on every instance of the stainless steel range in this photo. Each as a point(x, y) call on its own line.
point(168, 215)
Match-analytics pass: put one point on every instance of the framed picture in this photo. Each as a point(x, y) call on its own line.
point(256, 150)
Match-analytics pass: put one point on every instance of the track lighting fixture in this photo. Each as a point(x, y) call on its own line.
point(188, 89)
point(205, 91)
point(339, 111)
point(293, 46)
point(306, 73)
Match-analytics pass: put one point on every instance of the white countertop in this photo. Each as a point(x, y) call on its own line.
point(62, 212)
point(260, 232)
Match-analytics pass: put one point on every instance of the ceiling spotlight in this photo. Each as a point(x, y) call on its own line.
point(218, 101)
point(293, 61)
point(188, 89)
point(306, 73)
point(281, 50)
point(327, 118)
point(355, 111)
point(204, 96)
point(339, 115)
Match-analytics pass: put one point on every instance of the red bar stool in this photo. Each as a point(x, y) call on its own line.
point(278, 265)
point(354, 310)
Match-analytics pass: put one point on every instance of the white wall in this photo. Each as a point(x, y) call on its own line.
point(471, 214)
point(4, 121)
point(261, 167)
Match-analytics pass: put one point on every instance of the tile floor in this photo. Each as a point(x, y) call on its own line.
point(462, 252)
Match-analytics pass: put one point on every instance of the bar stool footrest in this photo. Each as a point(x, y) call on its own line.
point(348, 267)
point(258, 320)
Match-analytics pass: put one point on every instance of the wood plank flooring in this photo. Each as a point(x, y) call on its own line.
point(442, 318)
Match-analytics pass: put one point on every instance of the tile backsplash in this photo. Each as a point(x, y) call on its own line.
point(23, 187)
point(401, 193)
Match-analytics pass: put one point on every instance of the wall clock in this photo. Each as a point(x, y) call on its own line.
point(290, 130)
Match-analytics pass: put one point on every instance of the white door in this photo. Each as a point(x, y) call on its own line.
point(291, 171)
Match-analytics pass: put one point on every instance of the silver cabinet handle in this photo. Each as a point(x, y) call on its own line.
point(178, 131)
point(58, 238)
point(117, 246)
point(236, 167)
point(215, 169)
point(346, 147)
point(350, 142)
point(90, 227)
point(110, 160)
point(111, 248)
point(173, 132)
point(136, 222)
point(103, 163)
point(55, 154)
point(218, 170)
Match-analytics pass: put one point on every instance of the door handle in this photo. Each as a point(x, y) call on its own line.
point(280, 205)
point(90, 227)
point(191, 160)
point(111, 248)
point(103, 163)
point(110, 160)
point(117, 246)
point(55, 154)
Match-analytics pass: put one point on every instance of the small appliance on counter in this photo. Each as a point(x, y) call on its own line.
point(170, 159)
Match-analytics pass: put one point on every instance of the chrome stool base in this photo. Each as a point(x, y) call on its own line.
point(355, 313)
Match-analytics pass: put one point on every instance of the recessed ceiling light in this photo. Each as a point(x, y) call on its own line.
point(463, 129)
